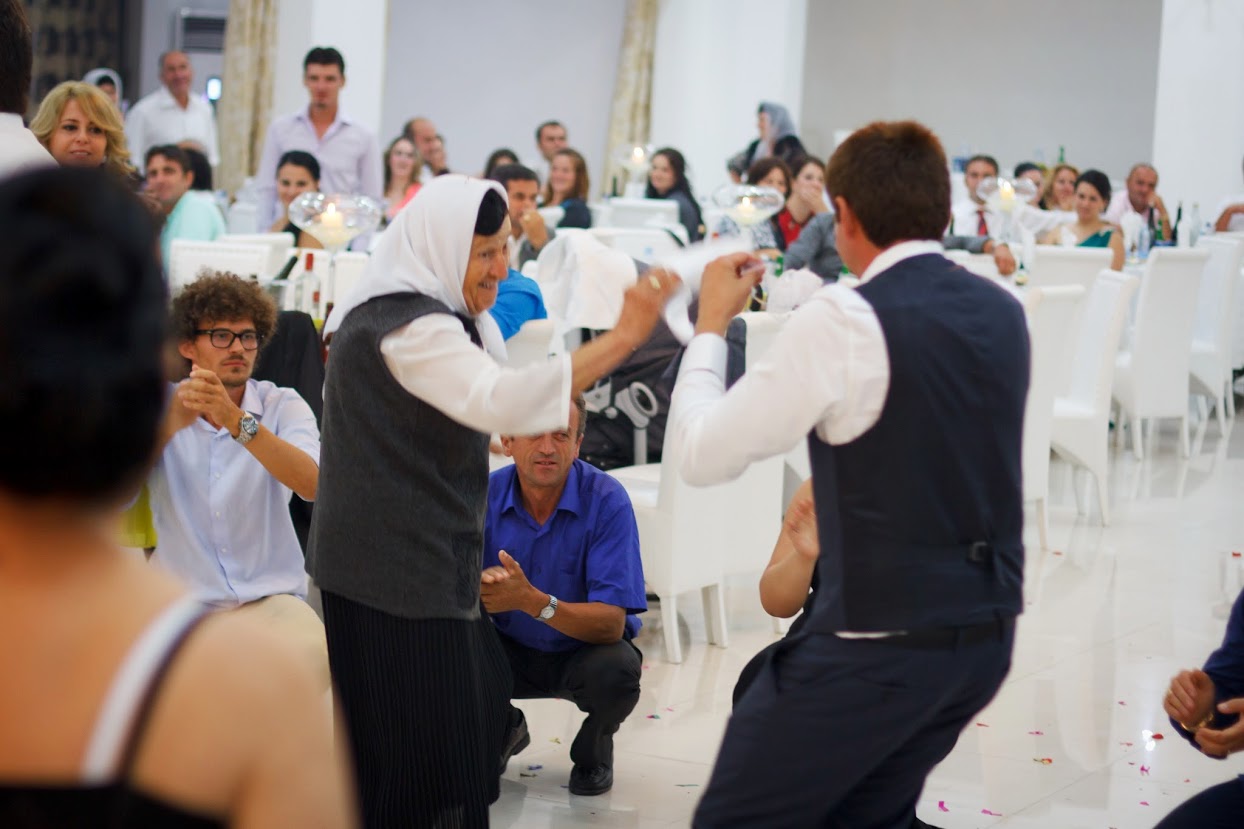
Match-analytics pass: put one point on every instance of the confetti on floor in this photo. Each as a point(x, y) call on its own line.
point(1045, 761)
point(1126, 743)
point(1121, 702)
point(941, 806)
point(687, 785)
point(667, 708)
point(1058, 552)
point(1234, 554)
point(1144, 803)
point(536, 767)
point(525, 774)
point(1037, 733)
point(982, 725)
point(1158, 737)
point(1144, 769)
point(991, 814)
point(557, 740)
point(654, 716)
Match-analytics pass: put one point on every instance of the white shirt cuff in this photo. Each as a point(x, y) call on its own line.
point(705, 352)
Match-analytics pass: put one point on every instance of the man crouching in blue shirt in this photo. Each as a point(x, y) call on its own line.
point(563, 581)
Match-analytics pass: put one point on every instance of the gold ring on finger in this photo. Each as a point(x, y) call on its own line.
point(654, 282)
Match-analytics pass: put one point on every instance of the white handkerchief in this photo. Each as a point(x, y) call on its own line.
point(689, 263)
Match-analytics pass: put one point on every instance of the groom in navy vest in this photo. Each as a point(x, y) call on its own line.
point(910, 392)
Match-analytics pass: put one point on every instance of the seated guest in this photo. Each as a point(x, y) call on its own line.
point(1230, 214)
point(20, 150)
point(1032, 172)
point(498, 158)
point(1090, 229)
point(137, 707)
point(568, 188)
point(1059, 190)
point(973, 217)
point(772, 173)
point(187, 215)
point(528, 235)
point(422, 133)
point(1140, 196)
point(1204, 707)
point(806, 200)
point(401, 175)
point(777, 138)
point(551, 136)
point(436, 159)
point(297, 172)
point(519, 300)
point(233, 449)
point(667, 179)
point(563, 581)
point(80, 127)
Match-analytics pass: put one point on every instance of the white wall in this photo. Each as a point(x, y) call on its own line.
point(359, 30)
point(1015, 80)
point(1198, 136)
point(715, 61)
point(488, 71)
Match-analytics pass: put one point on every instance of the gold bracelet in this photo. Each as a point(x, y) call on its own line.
point(1206, 720)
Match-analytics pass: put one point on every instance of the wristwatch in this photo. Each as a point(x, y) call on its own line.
point(549, 610)
point(248, 427)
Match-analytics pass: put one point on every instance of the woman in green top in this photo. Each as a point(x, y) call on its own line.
point(1090, 230)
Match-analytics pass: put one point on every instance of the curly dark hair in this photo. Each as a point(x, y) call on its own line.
point(218, 296)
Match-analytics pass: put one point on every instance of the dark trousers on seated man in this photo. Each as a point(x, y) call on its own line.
point(602, 680)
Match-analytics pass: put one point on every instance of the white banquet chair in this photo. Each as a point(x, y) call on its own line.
point(1055, 265)
point(1051, 312)
point(1213, 332)
point(1151, 378)
point(1079, 431)
point(624, 212)
point(279, 245)
point(187, 258)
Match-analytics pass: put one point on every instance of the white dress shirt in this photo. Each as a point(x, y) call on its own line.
point(839, 392)
point(966, 219)
point(19, 149)
point(1120, 205)
point(222, 520)
point(434, 359)
point(158, 119)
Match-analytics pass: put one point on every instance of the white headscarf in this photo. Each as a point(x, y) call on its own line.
point(426, 249)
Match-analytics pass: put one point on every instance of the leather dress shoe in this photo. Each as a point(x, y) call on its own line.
point(516, 740)
point(591, 781)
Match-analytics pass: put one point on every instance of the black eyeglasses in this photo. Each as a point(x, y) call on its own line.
point(223, 338)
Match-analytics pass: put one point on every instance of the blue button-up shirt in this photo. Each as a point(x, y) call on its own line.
point(588, 550)
point(222, 520)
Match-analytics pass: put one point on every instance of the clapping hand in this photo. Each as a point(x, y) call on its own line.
point(505, 587)
point(1220, 743)
point(1190, 698)
point(204, 394)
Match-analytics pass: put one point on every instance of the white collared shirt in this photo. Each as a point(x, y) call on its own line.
point(966, 219)
point(158, 119)
point(19, 149)
point(828, 370)
point(222, 520)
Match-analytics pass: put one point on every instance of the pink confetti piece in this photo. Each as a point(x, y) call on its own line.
point(941, 806)
point(991, 814)
point(1158, 737)
point(654, 716)
point(1037, 733)
point(645, 668)
point(1121, 702)
point(1235, 554)
point(1144, 803)
point(669, 709)
point(1144, 769)
point(1058, 552)
point(1126, 743)
point(1045, 761)
point(1187, 780)
point(982, 725)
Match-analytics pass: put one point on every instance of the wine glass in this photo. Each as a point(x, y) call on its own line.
point(748, 205)
point(335, 221)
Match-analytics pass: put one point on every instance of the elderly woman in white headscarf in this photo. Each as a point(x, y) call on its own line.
point(777, 139)
point(109, 83)
point(411, 396)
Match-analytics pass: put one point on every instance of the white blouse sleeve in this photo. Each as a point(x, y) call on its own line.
point(434, 359)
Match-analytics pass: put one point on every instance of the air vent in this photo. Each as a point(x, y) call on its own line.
point(199, 31)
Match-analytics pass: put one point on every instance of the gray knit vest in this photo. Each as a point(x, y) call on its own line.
point(399, 513)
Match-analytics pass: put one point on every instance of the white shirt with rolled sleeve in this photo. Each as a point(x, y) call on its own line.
point(222, 520)
point(158, 119)
point(828, 371)
point(434, 359)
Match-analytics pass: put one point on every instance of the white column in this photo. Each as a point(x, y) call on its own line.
point(359, 30)
point(714, 62)
point(1198, 134)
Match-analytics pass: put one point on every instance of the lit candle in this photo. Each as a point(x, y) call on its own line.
point(1006, 195)
point(746, 211)
point(637, 155)
point(330, 217)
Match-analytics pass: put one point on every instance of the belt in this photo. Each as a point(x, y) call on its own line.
point(949, 637)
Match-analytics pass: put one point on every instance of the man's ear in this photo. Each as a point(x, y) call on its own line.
point(845, 217)
point(187, 350)
point(507, 444)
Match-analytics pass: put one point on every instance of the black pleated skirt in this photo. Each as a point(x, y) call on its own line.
point(425, 704)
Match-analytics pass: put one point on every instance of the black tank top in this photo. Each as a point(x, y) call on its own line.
point(106, 797)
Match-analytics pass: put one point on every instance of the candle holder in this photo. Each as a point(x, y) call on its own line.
point(335, 221)
point(748, 205)
point(636, 162)
point(1003, 197)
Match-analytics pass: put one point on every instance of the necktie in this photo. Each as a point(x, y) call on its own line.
point(982, 227)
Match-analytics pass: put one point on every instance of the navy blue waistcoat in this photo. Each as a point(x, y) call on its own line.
point(921, 517)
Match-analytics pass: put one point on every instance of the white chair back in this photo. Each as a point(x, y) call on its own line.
point(625, 212)
point(642, 244)
point(1215, 314)
point(242, 217)
point(533, 343)
point(1097, 339)
point(1162, 337)
point(348, 268)
point(1051, 312)
point(1054, 265)
point(187, 258)
point(279, 245)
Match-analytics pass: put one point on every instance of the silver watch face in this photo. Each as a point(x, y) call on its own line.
point(250, 425)
point(548, 611)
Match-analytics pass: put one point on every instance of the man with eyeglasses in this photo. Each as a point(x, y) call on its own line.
point(233, 449)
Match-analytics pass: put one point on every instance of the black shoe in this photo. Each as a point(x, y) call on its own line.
point(590, 781)
point(516, 740)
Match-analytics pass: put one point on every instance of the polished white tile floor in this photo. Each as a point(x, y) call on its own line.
point(1111, 614)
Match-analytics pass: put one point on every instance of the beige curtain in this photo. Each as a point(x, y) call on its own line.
point(630, 118)
point(246, 104)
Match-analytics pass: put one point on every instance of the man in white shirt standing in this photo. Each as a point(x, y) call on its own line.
point(347, 151)
point(550, 138)
point(172, 113)
point(19, 149)
point(909, 391)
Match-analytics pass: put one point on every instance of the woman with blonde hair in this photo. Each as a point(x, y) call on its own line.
point(1059, 192)
point(567, 188)
point(81, 127)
